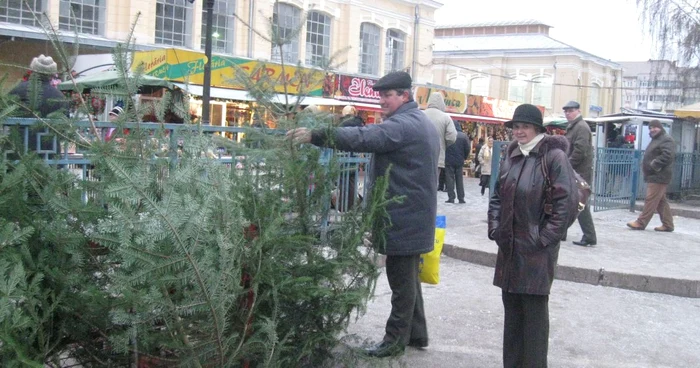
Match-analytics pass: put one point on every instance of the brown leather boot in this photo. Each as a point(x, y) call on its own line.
point(634, 225)
point(663, 228)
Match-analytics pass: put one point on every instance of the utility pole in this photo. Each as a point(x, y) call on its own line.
point(206, 88)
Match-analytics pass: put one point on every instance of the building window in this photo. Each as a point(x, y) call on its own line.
point(542, 91)
point(480, 86)
point(82, 16)
point(173, 22)
point(459, 82)
point(395, 50)
point(17, 11)
point(517, 89)
point(318, 38)
point(285, 24)
point(221, 27)
point(594, 95)
point(369, 48)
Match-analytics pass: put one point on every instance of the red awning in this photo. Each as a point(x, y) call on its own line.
point(478, 118)
point(365, 106)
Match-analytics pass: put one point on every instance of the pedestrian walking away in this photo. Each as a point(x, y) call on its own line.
point(455, 155)
point(445, 129)
point(527, 238)
point(407, 142)
point(578, 133)
point(657, 167)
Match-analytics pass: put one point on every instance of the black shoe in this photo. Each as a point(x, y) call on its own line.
point(462, 201)
point(419, 343)
point(584, 242)
point(385, 349)
point(450, 201)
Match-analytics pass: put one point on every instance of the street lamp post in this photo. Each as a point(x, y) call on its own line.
point(207, 66)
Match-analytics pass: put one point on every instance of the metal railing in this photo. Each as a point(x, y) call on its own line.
point(351, 185)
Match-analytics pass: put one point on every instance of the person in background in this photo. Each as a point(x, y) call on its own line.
point(485, 157)
point(581, 157)
point(657, 167)
point(527, 238)
point(50, 99)
point(407, 145)
point(445, 128)
point(455, 155)
point(350, 117)
point(477, 169)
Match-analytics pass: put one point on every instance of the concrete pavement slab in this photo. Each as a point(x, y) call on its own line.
point(638, 260)
point(590, 326)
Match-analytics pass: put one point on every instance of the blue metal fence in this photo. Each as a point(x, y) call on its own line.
point(351, 184)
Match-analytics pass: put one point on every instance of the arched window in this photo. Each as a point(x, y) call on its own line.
point(173, 22)
point(285, 23)
point(369, 48)
point(517, 90)
point(542, 91)
point(395, 50)
point(89, 16)
point(222, 26)
point(318, 38)
point(459, 82)
point(594, 94)
point(480, 86)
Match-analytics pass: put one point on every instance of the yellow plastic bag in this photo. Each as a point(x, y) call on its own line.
point(429, 269)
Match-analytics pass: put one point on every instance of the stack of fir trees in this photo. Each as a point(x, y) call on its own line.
point(164, 256)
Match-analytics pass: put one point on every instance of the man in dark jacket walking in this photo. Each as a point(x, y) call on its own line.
point(578, 133)
point(455, 155)
point(657, 166)
point(407, 142)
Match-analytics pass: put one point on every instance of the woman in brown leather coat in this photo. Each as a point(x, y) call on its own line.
point(527, 238)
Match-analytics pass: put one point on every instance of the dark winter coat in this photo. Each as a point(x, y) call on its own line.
point(580, 147)
point(408, 142)
point(659, 158)
point(50, 100)
point(456, 154)
point(352, 121)
point(528, 240)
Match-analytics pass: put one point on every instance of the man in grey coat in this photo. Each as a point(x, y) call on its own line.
point(407, 142)
point(445, 128)
point(657, 166)
point(578, 133)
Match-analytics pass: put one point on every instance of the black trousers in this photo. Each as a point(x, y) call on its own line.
point(454, 177)
point(525, 330)
point(586, 221)
point(407, 318)
point(441, 179)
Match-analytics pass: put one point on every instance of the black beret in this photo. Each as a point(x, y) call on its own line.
point(571, 105)
point(393, 80)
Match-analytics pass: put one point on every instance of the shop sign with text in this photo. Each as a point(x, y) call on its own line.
point(455, 102)
point(357, 89)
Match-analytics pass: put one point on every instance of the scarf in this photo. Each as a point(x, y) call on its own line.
point(527, 147)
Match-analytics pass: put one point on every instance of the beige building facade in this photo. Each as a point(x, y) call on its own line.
point(518, 61)
point(367, 38)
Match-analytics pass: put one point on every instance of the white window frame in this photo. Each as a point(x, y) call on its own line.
point(222, 26)
point(542, 91)
point(286, 20)
point(15, 11)
point(318, 38)
point(370, 46)
point(480, 86)
point(517, 89)
point(395, 52)
point(94, 26)
point(174, 23)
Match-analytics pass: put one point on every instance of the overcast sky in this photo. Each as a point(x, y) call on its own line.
point(609, 29)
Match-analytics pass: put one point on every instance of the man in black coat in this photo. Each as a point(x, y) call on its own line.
point(455, 155)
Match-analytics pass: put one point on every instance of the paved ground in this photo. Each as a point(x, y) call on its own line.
point(638, 260)
point(591, 326)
